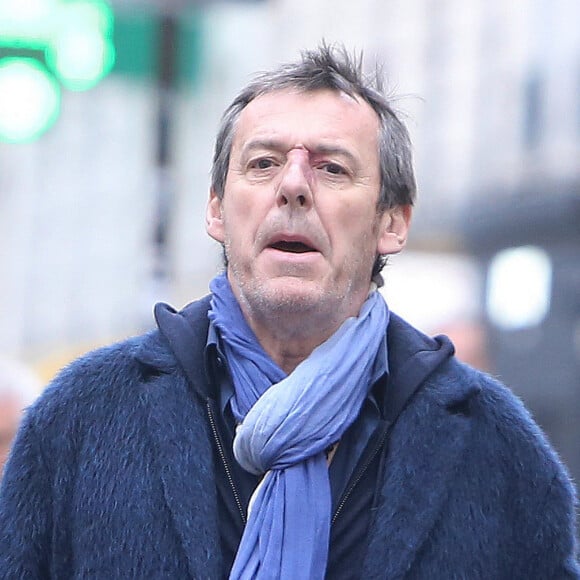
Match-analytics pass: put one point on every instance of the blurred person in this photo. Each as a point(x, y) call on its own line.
point(288, 425)
point(18, 389)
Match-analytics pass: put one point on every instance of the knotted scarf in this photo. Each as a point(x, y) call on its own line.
point(286, 422)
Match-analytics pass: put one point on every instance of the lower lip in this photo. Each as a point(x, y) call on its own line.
point(294, 257)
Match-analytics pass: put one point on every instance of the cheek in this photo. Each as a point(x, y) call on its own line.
point(353, 226)
point(241, 225)
point(244, 203)
point(235, 213)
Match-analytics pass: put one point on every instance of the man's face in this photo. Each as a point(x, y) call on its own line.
point(298, 217)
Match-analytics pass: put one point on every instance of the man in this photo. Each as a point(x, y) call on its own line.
point(289, 426)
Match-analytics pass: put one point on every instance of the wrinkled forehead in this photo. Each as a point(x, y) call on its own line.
point(309, 118)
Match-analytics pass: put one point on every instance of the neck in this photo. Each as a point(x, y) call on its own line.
point(289, 331)
point(289, 337)
point(288, 344)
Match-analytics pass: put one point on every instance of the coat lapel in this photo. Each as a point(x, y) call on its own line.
point(184, 463)
point(425, 449)
point(178, 427)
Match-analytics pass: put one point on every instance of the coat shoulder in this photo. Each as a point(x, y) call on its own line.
point(507, 448)
point(106, 376)
point(500, 418)
point(509, 483)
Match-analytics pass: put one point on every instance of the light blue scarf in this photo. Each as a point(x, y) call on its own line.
point(286, 423)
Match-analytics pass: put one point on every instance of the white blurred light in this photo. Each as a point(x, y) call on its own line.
point(432, 290)
point(80, 56)
point(26, 19)
point(83, 52)
point(29, 99)
point(519, 287)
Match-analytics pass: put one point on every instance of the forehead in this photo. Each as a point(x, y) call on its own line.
point(309, 119)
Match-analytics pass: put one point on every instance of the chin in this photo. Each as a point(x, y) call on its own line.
point(285, 295)
point(296, 296)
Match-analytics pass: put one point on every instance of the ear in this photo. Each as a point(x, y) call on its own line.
point(394, 223)
point(214, 223)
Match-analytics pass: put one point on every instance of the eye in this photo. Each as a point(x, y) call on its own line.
point(262, 163)
point(334, 169)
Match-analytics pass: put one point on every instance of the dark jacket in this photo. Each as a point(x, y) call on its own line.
point(112, 476)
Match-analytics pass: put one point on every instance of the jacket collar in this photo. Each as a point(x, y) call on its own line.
point(179, 343)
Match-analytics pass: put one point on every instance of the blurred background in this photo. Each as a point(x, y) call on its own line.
point(108, 111)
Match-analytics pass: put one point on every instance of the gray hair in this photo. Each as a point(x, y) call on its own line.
point(333, 68)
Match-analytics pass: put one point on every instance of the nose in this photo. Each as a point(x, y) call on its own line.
point(295, 187)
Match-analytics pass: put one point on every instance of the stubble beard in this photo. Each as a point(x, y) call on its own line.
point(289, 310)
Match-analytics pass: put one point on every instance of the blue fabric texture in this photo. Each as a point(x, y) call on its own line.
point(286, 423)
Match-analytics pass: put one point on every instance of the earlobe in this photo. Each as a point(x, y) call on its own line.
point(214, 223)
point(395, 229)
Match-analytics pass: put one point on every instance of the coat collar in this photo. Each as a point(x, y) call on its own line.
point(179, 343)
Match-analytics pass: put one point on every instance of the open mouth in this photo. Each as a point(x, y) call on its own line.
point(292, 247)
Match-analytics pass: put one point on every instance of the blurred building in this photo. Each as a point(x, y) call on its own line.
point(528, 247)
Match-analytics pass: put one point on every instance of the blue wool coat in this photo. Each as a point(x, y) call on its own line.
point(111, 476)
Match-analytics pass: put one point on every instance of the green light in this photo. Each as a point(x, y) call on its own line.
point(82, 48)
point(76, 35)
point(45, 44)
point(26, 22)
point(29, 99)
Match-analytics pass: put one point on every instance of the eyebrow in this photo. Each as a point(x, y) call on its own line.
point(259, 143)
point(278, 145)
point(336, 150)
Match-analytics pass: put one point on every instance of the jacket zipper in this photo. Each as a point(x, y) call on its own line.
point(360, 475)
point(224, 461)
